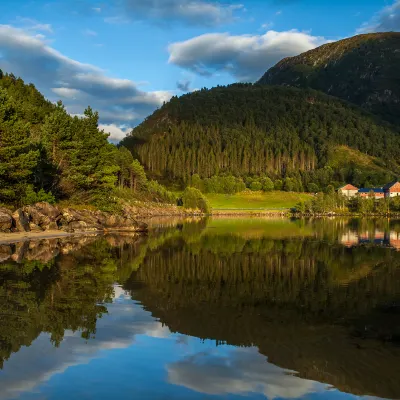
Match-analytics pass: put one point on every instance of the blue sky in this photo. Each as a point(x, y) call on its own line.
point(137, 354)
point(125, 57)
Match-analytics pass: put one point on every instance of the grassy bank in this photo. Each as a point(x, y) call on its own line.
point(256, 201)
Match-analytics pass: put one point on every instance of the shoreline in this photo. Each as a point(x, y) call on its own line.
point(18, 237)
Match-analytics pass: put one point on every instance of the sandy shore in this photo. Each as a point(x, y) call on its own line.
point(7, 238)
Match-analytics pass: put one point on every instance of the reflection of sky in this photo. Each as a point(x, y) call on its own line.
point(134, 356)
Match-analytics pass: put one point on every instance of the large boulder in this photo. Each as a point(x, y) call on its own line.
point(43, 215)
point(47, 209)
point(81, 220)
point(83, 226)
point(5, 220)
point(21, 220)
point(124, 223)
point(70, 215)
point(35, 228)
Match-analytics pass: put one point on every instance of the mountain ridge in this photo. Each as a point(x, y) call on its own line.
point(362, 69)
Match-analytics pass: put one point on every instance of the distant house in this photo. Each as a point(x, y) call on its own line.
point(379, 193)
point(348, 190)
point(392, 189)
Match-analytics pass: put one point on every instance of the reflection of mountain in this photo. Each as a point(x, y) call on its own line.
point(290, 288)
point(309, 305)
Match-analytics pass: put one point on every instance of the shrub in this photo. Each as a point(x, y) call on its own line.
point(256, 186)
point(278, 184)
point(312, 188)
point(267, 184)
point(31, 197)
point(192, 198)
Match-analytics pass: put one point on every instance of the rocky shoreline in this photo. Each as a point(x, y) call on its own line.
point(45, 249)
point(42, 217)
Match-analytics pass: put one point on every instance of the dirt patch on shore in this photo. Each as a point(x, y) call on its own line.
point(7, 238)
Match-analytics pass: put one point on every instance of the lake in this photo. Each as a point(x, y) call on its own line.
point(205, 309)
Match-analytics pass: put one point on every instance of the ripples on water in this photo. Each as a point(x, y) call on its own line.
point(205, 309)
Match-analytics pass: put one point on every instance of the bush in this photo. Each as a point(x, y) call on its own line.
point(300, 207)
point(193, 199)
point(159, 193)
point(31, 197)
point(105, 201)
point(278, 184)
point(312, 188)
point(256, 186)
point(267, 184)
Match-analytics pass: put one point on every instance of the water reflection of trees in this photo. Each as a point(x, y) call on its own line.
point(67, 292)
point(312, 276)
point(308, 302)
point(310, 305)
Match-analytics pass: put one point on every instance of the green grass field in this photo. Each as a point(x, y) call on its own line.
point(256, 200)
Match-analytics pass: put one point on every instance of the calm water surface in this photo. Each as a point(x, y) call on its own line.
point(205, 309)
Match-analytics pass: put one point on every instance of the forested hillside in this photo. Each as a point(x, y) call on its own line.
point(256, 130)
point(47, 155)
point(363, 69)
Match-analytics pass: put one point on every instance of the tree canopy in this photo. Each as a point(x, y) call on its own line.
point(254, 130)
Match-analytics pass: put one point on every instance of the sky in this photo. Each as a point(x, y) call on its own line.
point(125, 58)
point(138, 354)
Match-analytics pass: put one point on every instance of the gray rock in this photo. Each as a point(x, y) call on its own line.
point(83, 226)
point(35, 228)
point(5, 220)
point(44, 215)
point(21, 220)
point(47, 209)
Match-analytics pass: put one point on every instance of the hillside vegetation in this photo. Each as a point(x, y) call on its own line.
point(48, 155)
point(363, 70)
point(256, 130)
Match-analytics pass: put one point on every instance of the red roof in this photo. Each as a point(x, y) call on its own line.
point(348, 187)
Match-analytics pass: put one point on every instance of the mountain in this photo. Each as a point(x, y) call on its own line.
point(254, 130)
point(363, 69)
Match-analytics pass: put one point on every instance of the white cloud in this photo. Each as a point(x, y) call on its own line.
point(97, 9)
point(245, 57)
point(66, 92)
point(388, 19)
point(79, 84)
point(116, 133)
point(198, 12)
point(241, 371)
point(28, 369)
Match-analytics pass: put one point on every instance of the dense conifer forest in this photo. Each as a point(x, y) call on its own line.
point(48, 155)
point(246, 130)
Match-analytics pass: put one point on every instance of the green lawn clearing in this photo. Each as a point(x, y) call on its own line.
point(256, 200)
